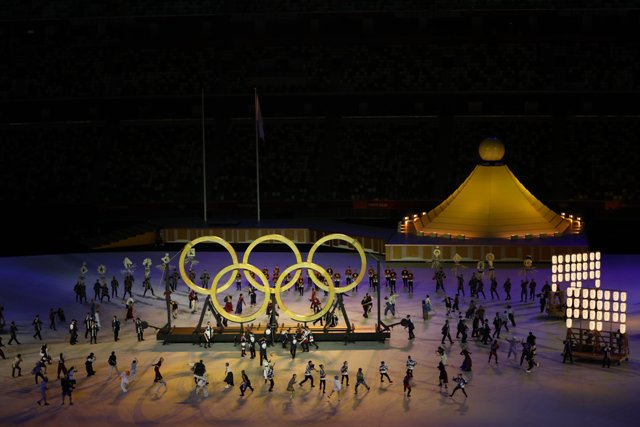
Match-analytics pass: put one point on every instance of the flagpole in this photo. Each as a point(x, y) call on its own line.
point(255, 94)
point(204, 165)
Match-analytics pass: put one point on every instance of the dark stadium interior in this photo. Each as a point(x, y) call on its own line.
point(372, 110)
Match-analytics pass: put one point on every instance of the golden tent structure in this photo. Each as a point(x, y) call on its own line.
point(491, 203)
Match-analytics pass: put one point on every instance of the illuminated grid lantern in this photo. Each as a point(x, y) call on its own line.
point(575, 269)
point(595, 306)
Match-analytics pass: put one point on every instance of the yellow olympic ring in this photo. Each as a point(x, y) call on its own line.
point(234, 317)
point(277, 238)
point(358, 248)
point(299, 317)
point(185, 252)
point(279, 287)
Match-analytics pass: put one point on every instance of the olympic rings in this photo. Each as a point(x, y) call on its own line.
point(234, 317)
point(277, 238)
point(185, 252)
point(265, 287)
point(298, 317)
point(358, 248)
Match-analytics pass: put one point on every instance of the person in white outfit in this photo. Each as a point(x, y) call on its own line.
point(125, 380)
point(202, 385)
point(337, 387)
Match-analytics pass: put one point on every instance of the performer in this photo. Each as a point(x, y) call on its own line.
point(158, 376)
point(104, 292)
point(240, 304)
point(344, 370)
point(354, 277)
point(67, 389)
point(174, 309)
point(139, 329)
point(62, 369)
point(37, 327)
point(133, 369)
point(367, 304)
point(392, 281)
point(246, 384)
point(204, 279)
point(243, 345)
point(88, 364)
point(129, 307)
point(360, 380)
point(291, 388)
point(307, 373)
point(466, 364)
point(73, 332)
point(269, 377)
point(460, 289)
point(446, 332)
point(337, 387)
point(128, 286)
point(461, 382)
point(426, 308)
point(293, 346)
point(410, 327)
point(115, 326)
point(114, 287)
point(147, 286)
point(323, 378)
point(371, 272)
point(43, 392)
point(567, 352)
point(252, 295)
point(97, 287)
point(443, 378)
point(411, 364)
point(383, 369)
point(495, 345)
point(507, 288)
point(410, 282)
point(193, 301)
point(113, 364)
point(93, 331)
point(406, 381)
point(125, 381)
point(52, 319)
point(228, 375)
point(252, 345)
point(311, 339)
point(15, 366)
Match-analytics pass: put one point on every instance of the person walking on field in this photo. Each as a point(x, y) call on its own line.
point(337, 387)
point(383, 369)
point(495, 345)
point(291, 386)
point(307, 373)
point(360, 380)
point(407, 383)
point(158, 376)
point(43, 392)
point(443, 377)
point(461, 382)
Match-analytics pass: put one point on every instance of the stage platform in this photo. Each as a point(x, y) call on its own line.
point(232, 334)
point(409, 247)
point(394, 245)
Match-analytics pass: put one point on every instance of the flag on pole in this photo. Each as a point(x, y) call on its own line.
point(259, 123)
